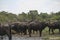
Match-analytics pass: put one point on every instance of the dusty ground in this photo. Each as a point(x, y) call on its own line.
point(45, 36)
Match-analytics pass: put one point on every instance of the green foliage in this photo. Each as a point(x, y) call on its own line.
point(31, 15)
point(5, 16)
point(22, 17)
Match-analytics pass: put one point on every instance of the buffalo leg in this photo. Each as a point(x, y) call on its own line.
point(29, 33)
point(9, 35)
point(52, 31)
point(59, 31)
point(33, 31)
point(36, 31)
point(40, 32)
point(1, 37)
point(49, 30)
point(25, 32)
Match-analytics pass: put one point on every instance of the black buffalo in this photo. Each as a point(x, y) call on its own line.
point(20, 27)
point(53, 26)
point(36, 26)
point(5, 30)
point(15, 27)
point(23, 27)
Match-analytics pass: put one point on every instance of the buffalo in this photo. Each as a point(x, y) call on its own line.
point(23, 27)
point(54, 25)
point(36, 26)
point(15, 27)
point(20, 27)
point(5, 30)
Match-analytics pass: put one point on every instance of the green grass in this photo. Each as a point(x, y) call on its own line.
point(55, 36)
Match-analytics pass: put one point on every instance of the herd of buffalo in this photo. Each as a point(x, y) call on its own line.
point(22, 27)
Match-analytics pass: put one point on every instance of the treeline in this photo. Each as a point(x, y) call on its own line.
point(31, 15)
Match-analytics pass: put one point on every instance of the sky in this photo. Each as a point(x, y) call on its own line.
point(18, 6)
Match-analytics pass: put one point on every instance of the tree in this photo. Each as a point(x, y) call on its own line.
point(22, 16)
point(33, 14)
point(44, 16)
